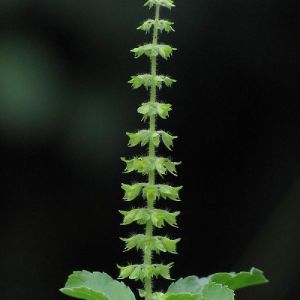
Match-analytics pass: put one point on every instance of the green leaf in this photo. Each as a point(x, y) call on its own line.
point(150, 109)
point(169, 192)
point(131, 191)
point(96, 286)
point(141, 272)
point(147, 79)
point(158, 217)
point(214, 291)
point(184, 296)
point(240, 280)
point(165, 3)
point(190, 284)
point(167, 139)
point(152, 50)
point(163, 25)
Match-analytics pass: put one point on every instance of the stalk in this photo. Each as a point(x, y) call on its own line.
point(151, 177)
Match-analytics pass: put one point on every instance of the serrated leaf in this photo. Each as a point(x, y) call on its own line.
point(131, 191)
point(184, 296)
point(96, 286)
point(190, 284)
point(167, 139)
point(214, 291)
point(163, 25)
point(146, 80)
point(240, 280)
point(169, 192)
point(165, 3)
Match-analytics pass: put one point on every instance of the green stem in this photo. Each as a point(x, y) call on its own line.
point(151, 178)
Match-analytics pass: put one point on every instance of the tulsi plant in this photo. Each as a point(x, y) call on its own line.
point(100, 286)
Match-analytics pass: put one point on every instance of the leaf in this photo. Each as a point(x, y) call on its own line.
point(214, 291)
point(184, 296)
point(170, 192)
point(163, 25)
point(96, 286)
point(239, 280)
point(165, 3)
point(167, 139)
point(190, 284)
point(131, 191)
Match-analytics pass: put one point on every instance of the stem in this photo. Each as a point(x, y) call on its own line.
point(151, 178)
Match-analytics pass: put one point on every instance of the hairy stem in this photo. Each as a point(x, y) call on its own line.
point(151, 178)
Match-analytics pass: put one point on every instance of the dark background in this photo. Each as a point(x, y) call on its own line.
point(64, 110)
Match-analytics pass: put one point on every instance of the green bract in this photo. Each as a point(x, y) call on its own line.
point(144, 137)
point(152, 109)
point(147, 164)
point(141, 272)
point(148, 81)
point(150, 50)
point(150, 192)
point(162, 25)
point(165, 3)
